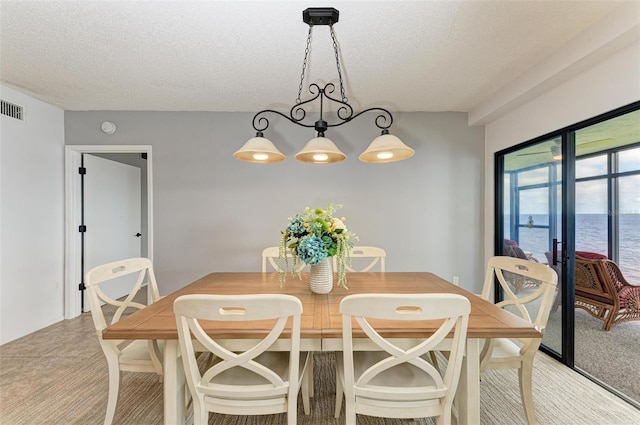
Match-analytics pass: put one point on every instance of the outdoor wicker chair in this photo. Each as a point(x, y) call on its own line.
point(603, 292)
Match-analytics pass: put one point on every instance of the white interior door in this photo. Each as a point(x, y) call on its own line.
point(112, 210)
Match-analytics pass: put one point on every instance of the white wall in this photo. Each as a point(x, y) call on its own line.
point(31, 217)
point(612, 83)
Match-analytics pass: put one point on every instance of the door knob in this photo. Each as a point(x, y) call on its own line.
point(137, 235)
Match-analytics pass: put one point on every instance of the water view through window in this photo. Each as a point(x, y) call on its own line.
point(591, 235)
point(607, 194)
point(605, 213)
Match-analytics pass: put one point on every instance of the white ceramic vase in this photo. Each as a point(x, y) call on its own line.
point(321, 277)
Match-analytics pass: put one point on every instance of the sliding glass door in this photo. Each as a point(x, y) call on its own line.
point(576, 192)
point(532, 214)
point(607, 222)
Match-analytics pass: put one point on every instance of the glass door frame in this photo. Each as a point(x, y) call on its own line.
point(568, 214)
point(567, 222)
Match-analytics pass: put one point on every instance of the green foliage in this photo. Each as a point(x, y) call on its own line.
point(313, 236)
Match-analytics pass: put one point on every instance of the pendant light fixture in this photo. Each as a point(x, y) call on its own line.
point(320, 149)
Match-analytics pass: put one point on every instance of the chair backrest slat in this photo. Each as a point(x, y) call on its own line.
point(368, 309)
point(277, 309)
point(271, 257)
point(376, 256)
point(533, 304)
point(98, 278)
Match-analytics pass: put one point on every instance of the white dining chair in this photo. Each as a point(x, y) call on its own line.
point(123, 355)
point(271, 258)
point(396, 381)
point(532, 304)
point(270, 262)
point(250, 382)
point(364, 259)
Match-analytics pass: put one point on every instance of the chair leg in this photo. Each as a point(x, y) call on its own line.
point(339, 394)
point(349, 413)
point(305, 390)
point(525, 375)
point(311, 390)
point(444, 418)
point(114, 389)
point(156, 358)
point(199, 413)
point(292, 412)
point(608, 322)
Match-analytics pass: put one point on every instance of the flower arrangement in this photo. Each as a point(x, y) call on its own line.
point(313, 236)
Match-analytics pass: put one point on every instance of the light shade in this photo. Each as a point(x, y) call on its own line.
point(386, 148)
point(259, 150)
point(320, 150)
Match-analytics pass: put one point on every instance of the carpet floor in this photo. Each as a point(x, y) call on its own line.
point(58, 375)
point(610, 356)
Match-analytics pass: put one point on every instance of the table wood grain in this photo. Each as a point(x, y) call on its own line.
point(320, 316)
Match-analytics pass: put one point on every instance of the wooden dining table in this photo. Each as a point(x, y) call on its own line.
point(321, 325)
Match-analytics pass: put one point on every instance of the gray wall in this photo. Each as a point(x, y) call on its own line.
point(214, 213)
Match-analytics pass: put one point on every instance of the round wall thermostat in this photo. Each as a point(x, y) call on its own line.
point(108, 127)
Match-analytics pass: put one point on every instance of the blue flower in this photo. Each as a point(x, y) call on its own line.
point(311, 237)
point(296, 227)
point(311, 250)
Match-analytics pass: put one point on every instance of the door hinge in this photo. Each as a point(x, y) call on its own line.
point(81, 286)
point(82, 228)
point(82, 170)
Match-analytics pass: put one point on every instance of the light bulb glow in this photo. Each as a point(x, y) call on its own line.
point(320, 157)
point(260, 156)
point(384, 155)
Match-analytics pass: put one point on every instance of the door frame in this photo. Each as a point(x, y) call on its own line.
point(72, 193)
point(566, 221)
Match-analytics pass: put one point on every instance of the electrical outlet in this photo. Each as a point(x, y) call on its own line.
point(456, 280)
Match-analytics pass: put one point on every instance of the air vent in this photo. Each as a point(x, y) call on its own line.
point(11, 110)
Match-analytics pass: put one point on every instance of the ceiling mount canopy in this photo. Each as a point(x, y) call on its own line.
point(320, 149)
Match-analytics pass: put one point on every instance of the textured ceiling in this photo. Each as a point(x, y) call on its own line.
point(247, 56)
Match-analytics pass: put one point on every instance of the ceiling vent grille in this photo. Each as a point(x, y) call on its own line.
point(11, 110)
